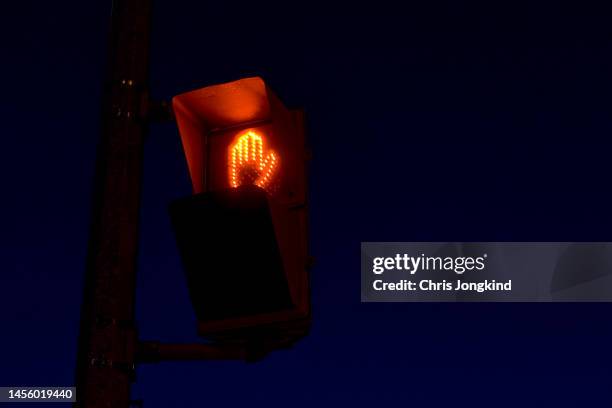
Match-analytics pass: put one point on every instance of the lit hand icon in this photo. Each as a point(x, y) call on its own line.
point(249, 163)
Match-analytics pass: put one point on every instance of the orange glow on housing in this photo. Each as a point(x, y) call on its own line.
point(250, 163)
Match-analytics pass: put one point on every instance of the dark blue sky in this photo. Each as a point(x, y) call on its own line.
point(447, 122)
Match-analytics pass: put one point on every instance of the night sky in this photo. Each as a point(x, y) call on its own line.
point(451, 121)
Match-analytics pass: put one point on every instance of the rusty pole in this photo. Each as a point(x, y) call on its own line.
point(107, 339)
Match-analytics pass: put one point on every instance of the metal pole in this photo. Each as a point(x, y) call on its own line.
point(107, 340)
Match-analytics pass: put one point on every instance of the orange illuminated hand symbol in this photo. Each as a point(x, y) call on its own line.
point(249, 163)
